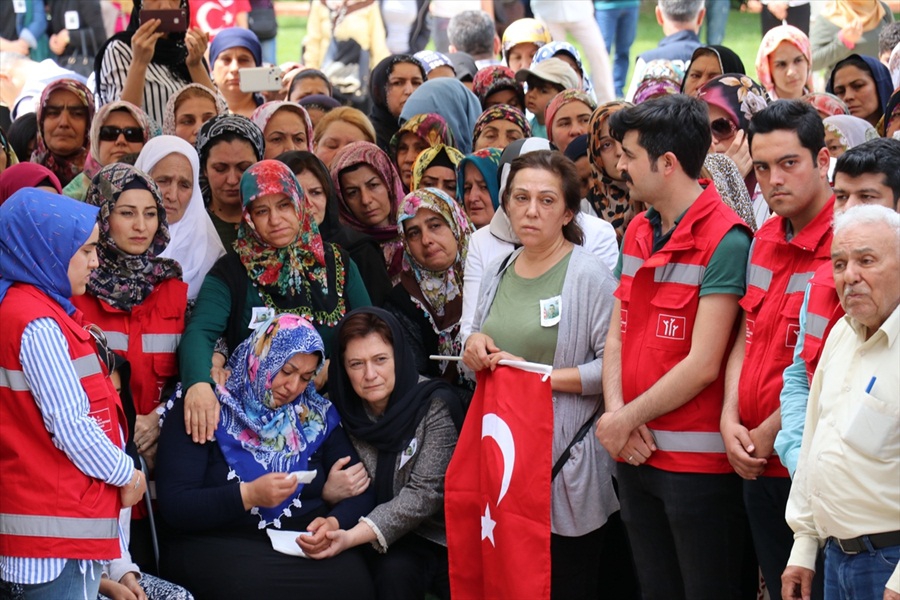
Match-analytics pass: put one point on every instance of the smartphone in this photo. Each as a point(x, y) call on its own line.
point(171, 21)
point(260, 79)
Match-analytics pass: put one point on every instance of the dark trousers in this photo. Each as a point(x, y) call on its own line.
point(686, 532)
point(411, 566)
point(798, 16)
point(766, 499)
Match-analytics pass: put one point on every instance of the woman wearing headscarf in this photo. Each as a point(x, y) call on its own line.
point(405, 430)
point(496, 84)
point(845, 27)
point(136, 296)
point(477, 185)
point(118, 132)
point(316, 182)
point(194, 243)
point(843, 132)
point(784, 63)
point(568, 53)
point(145, 66)
point(499, 126)
point(62, 418)
point(27, 174)
point(436, 168)
point(567, 116)
point(189, 108)
point(281, 264)
point(285, 126)
point(7, 154)
point(826, 104)
point(224, 503)
point(233, 49)
point(227, 146)
point(419, 133)
point(864, 84)
point(393, 81)
point(708, 62)
point(370, 191)
point(428, 300)
point(609, 193)
point(64, 114)
point(450, 98)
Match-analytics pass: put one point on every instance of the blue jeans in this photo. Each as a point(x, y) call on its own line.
point(619, 27)
point(858, 576)
point(71, 584)
point(268, 52)
point(716, 19)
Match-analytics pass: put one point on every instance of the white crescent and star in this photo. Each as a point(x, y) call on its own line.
point(494, 427)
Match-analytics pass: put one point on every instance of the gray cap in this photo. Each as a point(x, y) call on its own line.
point(553, 70)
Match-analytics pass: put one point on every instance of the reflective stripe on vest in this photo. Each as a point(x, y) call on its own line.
point(14, 380)
point(160, 342)
point(816, 325)
point(117, 341)
point(86, 366)
point(688, 441)
point(685, 273)
point(631, 264)
point(760, 277)
point(798, 281)
point(58, 527)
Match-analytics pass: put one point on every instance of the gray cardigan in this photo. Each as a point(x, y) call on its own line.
point(418, 502)
point(582, 495)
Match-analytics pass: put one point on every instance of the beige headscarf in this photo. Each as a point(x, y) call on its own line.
point(843, 12)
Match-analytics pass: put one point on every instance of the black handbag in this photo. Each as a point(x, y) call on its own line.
point(263, 23)
point(81, 61)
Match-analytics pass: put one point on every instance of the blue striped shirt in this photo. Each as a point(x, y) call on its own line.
point(64, 406)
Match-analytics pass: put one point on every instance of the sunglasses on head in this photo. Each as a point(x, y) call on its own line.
point(723, 129)
point(106, 356)
point(109, 133)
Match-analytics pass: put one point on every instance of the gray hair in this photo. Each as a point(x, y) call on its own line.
point(472, 32)
point(681, 11)
point(867, 214)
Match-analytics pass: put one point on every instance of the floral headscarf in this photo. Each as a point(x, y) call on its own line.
point(427, 157)
point(369, 154)
point(771, 41)
point(609, 201)
point(649, 89)
point(92, 164)
point(285, 270)
point(501, 112)
point(262, 114)
point(124, 280)
point(850, 131)
point(169, 122)
point(737, 95)
point(553, 49)
point(661, 68)
point(560, 100)
point(440, 290)
point(257, 438)
point(65, 168)
point(494, 78)
point(487, 161)
point(826, 104)
point(430, 127)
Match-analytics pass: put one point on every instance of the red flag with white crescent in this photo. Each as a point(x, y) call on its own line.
point(497, 490)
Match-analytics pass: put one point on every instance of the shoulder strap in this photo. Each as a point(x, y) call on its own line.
point(579, 435)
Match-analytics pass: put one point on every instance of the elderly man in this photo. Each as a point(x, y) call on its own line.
point(846, 490)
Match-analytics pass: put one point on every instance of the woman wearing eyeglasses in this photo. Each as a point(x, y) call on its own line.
point(119, 130)
point(733, 99)
point(65, 475)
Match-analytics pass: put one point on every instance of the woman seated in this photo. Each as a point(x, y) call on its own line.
point(416, 135)
point(64, 114)
point(224, 503)
point(499, 126)
point(234, 49)
point(285, 126)
point(477, 185)
point(405, 429)
point(436, 168)
point(189, 108)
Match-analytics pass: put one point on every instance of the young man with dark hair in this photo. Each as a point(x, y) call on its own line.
point(681, 274)
point(787, 145)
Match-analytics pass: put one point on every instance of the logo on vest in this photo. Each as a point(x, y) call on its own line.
point(102, 418)
point(793, 333)
point(623, 320)
point(670, 327)
point(748, 334)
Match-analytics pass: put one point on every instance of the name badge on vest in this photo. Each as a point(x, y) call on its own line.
point(408, 453)
point(19, 7)
point(551, 311)
point(261, 315)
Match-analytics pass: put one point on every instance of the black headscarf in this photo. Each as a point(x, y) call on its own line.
point(169, 51)
point(386, 124)
point(729, 61)
point(407, 406)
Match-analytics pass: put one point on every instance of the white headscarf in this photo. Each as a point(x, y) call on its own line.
point(194, 244)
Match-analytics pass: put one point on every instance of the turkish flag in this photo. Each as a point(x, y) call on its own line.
point(497, 490)
point(212, 16)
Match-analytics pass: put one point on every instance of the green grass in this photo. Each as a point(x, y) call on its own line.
point(741, 35)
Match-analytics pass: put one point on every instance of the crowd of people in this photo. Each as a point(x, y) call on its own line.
point(242, 330)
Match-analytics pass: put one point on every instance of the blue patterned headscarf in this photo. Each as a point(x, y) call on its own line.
point(257, 438)
point(487, 161)
point(552, 49)
point(40, 232)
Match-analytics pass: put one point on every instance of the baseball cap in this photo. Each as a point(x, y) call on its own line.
point(553, 70)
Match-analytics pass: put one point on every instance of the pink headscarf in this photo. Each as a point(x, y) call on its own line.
point(771, 41)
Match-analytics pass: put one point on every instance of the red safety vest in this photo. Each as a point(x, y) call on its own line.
point(659, 294)
point(777, 274)
point(48, 507)
point(147, 336)
point(823, 310)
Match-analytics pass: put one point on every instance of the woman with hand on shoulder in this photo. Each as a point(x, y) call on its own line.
point(216, 499)
point(189, 108)
point(405, 429)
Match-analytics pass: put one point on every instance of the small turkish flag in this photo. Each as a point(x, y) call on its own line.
point(497, 490)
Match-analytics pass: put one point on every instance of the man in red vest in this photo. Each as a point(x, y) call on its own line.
point(681, 274)
point(866, 174)
point(787, 144)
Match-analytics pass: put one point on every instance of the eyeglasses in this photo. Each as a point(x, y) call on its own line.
point(107, 357)
point(723, 129)
point(108, 133)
